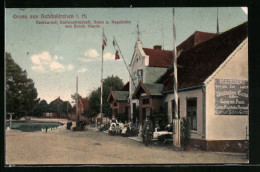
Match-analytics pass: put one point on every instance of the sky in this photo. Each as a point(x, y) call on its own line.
point(54, 55)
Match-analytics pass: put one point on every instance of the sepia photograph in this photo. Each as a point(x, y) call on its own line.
point(102, 86)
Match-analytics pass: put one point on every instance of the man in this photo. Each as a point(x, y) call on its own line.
point(147, 130)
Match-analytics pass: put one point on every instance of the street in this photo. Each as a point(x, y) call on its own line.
point(94, 147)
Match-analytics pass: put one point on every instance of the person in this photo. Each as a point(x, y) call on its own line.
point(147, 130)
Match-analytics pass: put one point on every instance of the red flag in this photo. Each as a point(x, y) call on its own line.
point(80, 106)
point(117, 55)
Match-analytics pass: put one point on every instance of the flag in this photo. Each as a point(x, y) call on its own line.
point(104, 44)
point(80, 106)
point(117, 55)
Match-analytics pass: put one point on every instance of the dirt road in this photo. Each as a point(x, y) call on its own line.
point(93, 147)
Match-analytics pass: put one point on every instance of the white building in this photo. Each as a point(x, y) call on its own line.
point(213, 91)
point(146, 67)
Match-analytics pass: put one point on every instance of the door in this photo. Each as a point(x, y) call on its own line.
point(192, 113)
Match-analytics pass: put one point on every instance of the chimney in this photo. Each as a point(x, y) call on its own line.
point(157, 47)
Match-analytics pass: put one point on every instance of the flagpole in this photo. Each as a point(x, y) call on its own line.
point(101, 81)
point(176, 120)
point(77, 110)
point(124, 60)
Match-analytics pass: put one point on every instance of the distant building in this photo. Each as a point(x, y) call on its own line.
point(55, 109)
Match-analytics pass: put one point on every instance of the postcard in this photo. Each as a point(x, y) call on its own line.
point(102, 86)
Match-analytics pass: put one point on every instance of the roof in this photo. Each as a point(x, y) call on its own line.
point(58, 100)
point(159, 58)
point(121, 95)
point(198, 63)
point(149, 89)
point(153, 73)
point(195, 39)
point(118, 95)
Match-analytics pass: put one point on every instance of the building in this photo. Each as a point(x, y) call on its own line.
point(118, 103)
point(148, 65)
point(150, 100)
point(55, 109)
point(213, 91)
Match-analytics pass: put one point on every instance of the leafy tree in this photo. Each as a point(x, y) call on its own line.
point(65, 106)
point(111, 82)
point(21, 95)
point(53, 107)
point(39, 108)
point(94, 102)
point(74, 96)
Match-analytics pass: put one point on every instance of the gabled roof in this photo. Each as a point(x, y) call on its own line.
point(121, 95)
point(195, 39)
point(58, 100)
point(149, 89)
point(159, 58)
point(198, 63)
point(118, 95)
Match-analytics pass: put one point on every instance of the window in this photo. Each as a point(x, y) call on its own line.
point(115, 103)
point(173, 109)
point(140, 75)
point(145, 101)
point(192, 112)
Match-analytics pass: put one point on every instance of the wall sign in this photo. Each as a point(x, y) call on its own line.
point(231, 97)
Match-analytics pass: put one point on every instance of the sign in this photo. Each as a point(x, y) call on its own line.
point(231, 97)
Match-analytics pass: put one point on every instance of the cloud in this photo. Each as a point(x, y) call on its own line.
point(110, 56)
point(45, 62)
point(56, 66)
point(41, 59)
point(70, 67)
point(82, 70)
point(89, 55)
point(92, 53)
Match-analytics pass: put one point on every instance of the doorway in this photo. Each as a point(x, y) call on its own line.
point(192, 112)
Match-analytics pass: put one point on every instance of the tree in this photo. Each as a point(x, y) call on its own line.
point(21, 95)
point(74, 96)
point(111, 82)
point(39, 108)
point(65, 106)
